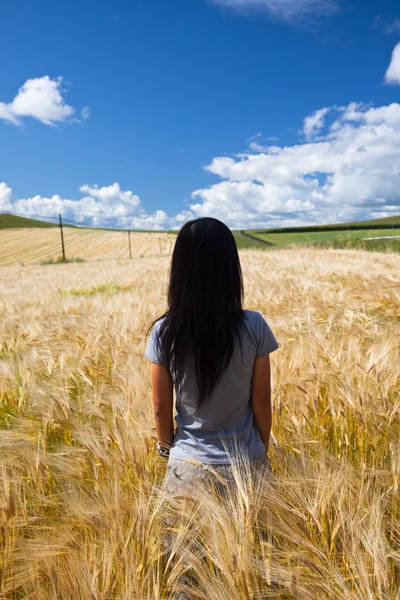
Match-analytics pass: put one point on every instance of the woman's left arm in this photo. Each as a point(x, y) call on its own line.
point(163, 401)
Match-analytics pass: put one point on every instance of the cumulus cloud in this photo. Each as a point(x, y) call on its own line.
point(290, 11)
point(106, 206)
point(41, 98)
point(6, 114)
point(346, 169)
point(5, 197)
point(314, 123)
point(352, 172)
point(393, 73)
point(113, 197)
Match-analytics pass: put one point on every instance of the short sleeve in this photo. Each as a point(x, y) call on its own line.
point(266, 339)
point(151, 347)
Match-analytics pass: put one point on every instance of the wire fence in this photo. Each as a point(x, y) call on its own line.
point(59, 239)
point(69, 241)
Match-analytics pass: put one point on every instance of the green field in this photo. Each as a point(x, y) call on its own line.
point(387, 221)
point(306, 238)
point(10, 221)
point(243, 242)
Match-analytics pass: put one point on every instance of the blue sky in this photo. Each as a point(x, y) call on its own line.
point(147, 113)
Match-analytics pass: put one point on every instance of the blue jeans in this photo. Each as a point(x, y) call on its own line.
point(181, 475)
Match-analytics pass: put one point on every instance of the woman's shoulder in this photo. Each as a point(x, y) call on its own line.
point(252, 322)
point(159, 322)
point(252, 315)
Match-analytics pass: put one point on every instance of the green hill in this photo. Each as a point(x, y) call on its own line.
point(386, 222)
point(9, 221)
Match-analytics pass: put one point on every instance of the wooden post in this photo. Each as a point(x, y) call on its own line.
point(62, 237)
point(129, 240)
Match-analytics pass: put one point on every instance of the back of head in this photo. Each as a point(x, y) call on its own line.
point(205, 273)
point(205, 297)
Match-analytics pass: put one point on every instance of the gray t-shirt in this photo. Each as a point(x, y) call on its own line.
point(224, 427)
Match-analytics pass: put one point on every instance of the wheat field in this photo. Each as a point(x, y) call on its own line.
point(81, 515)
point(33, 245)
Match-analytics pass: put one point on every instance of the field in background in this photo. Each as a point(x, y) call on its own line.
point(34, 245)
point(382, 222)
point(28, 241)
point(79, 512)
point(340, 237)
point(30, 246)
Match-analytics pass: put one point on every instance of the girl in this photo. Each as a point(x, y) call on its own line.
point(216, 356)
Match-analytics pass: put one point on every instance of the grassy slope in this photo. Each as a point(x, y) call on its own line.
point(283, 239)
point(243, 242)
point(385, 221)
point(10, 221)
point(346, 238)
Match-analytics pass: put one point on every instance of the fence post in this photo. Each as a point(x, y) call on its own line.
point(129, 240)
point(62, 237)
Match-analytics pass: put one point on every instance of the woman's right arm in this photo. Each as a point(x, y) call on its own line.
point(261, 397)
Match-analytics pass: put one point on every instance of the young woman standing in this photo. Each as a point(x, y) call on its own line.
point(216, 356)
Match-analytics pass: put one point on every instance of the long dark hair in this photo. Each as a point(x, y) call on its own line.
point(205, 298)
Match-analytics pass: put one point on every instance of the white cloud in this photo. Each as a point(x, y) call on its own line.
point(254, 137)
point(40, 98)
point(347, 171)
point(314, 123)
point(255, 146)
point(352, 172)
point(107, 206)
point(5, 198)
point(393, 73)
point(290, 11)
point(113, 197)
point(7, 114)
point(85, 112)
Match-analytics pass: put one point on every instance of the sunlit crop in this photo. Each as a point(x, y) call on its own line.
point(35, 245)
point(80, 512)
